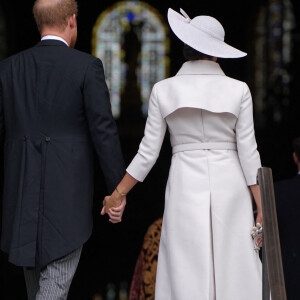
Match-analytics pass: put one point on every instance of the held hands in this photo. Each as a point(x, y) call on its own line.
point(114, 206)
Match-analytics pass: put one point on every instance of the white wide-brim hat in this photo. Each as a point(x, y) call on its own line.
point(203, 33)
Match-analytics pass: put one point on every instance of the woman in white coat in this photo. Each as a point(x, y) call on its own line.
point(206, 250)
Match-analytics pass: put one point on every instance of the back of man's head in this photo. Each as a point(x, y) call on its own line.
point(54, 13)
point(296, 147)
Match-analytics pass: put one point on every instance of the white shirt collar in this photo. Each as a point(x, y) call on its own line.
point(54, 37)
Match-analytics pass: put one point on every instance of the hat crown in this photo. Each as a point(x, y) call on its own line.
point(210, 26)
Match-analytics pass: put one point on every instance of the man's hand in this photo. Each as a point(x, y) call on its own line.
point(115, 213)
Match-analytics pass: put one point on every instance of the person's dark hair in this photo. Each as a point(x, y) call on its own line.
point(54, 13)
point(190, 53)
point(296, 146)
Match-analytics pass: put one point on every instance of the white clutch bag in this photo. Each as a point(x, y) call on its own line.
point(256, 233)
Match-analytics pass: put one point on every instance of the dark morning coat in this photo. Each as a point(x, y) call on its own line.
point(55, 109)
point(287, 194)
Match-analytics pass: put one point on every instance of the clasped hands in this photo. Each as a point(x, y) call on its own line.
point(114, 206)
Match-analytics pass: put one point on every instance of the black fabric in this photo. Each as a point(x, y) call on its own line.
point(287, 194)
point(54, 109)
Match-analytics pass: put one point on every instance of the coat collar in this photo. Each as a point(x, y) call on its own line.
point(200, 67)
point(51, 43)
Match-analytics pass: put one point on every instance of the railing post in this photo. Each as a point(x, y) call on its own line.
point(266, 286)
point(272, 262)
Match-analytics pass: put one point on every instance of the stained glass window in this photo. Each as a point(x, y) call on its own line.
point(145, 59)
point(273, 55)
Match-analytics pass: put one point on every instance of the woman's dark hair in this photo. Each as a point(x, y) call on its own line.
point(296, 146)
point(190, 53)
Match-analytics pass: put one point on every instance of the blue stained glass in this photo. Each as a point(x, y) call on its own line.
point(130, 16)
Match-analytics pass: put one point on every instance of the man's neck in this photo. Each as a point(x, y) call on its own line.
point(54, 37)
point(61, 35)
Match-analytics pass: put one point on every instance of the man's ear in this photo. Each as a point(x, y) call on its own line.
point(296, 159)
point(72, 21)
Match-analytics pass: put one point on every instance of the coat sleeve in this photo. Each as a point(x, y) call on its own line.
point(151, 143)
point(102, 126)
point(246, 142)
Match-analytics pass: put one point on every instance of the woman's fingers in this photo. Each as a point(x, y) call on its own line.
point(114, 213)
point(115, 219)
point(120, 208)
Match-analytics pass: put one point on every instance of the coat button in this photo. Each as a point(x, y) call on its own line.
point(25, 138)
point(47, 139)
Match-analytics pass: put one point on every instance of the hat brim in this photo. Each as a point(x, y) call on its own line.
point(200, 40)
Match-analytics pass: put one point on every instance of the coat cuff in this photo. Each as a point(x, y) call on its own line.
point(138, 168)
point(251, 170)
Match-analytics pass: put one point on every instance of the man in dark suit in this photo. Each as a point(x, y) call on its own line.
point(54, 110)
point(287, 194)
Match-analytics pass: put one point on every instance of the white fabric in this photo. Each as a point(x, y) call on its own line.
point(203, 33)
point(204, 146)
point(54, 37)
point(207, 192)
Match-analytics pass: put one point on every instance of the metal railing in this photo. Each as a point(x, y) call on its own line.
point(273, 278)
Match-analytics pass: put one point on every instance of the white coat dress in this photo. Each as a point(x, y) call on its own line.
point(206, 251)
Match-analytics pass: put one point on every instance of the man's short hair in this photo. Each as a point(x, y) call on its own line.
point(54, 13)
point(190, 53)
point(296, 146)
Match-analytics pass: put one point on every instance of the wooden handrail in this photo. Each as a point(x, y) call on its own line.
point(272, 262)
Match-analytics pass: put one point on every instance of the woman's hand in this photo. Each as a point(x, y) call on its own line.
point(259, 219)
